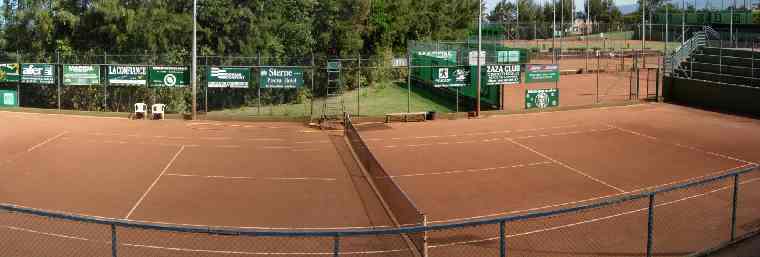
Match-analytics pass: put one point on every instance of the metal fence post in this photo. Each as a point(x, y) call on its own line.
point(733, 206)
point(650, 225)
point(502, 239)
point(114, 244)
point(409, 83)
point(336, 245)
point(313, 70)
point(358, 85)
point(58, 83)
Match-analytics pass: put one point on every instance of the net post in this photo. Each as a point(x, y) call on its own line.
point(650, 225)
point(735, 196)
point(336, 245)
point(113, 240)
point(425, 236)
point(502, 239)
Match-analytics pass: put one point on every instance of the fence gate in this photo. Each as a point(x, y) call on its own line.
point(652, 80)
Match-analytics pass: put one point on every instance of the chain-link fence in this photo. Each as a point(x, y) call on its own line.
point(671, 221)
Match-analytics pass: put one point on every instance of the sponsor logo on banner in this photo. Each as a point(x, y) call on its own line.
point(81, 75)
point(168, 76)
point(451, 77)
point(228, 77)
point(281, 78)
point(9, 72)
point(127, 75)
point(541, 98)
point(38, 73)
point(542, 73)
point(502, 74)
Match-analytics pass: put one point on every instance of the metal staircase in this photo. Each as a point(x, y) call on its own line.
point(699, 39)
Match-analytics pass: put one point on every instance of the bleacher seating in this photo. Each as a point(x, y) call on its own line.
point(720, 65)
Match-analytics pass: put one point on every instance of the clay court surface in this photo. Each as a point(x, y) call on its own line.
point(286, 175)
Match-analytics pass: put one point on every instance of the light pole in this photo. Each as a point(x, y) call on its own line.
point(195, 60)
point(683, 22)
point(480, 47)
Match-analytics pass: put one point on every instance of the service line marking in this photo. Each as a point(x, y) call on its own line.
point(470, 170)
point(253, 178)
point(587, 200)
point(174, 158)
point(725, 156)
point(46, 141)
point(566, 166)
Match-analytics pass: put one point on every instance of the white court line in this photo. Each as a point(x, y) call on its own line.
point(586, 200)
point(725, 156)
point(432, 246)
point(182, 148)
point(252, 178)
point(474, 133)
point(591, 220)
point(470, 170)
point(46, 141)
point(500, 139)
point(566, 166)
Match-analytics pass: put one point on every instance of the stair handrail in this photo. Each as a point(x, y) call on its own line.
point(699, 39)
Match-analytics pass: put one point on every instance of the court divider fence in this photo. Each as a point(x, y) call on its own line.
point(678, 219)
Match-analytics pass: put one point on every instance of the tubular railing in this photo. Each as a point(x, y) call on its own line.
point(42, 233)
point(684, 51)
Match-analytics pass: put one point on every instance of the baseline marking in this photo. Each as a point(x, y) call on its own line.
point(566, 166)
point(46, 141)
point(252, 178)
point(182, 148)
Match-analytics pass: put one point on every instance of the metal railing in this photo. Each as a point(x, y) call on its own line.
point(684, 51)
point(689, 217)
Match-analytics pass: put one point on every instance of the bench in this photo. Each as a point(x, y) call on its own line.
point(406, 116)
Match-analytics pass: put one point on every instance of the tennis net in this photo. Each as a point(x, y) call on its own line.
point(401, 208)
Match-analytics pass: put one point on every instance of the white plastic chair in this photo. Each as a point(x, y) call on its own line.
point(141, 109)
point(157, 110)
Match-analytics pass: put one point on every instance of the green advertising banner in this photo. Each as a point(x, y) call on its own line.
point(122, 75)
point(38, 73)
point(168, 76)
point(281, 78)
point(81, 75)
point(542, 73)
point(9, 72)
point(228, 77)
point(502, 74)
point(451, 77)
point(8, 98)
point(541, 98)
point(450, 56)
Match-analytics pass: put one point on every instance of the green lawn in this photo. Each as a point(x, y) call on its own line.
point(371, 101)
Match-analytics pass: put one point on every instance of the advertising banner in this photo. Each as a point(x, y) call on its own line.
point(168, 76)
point(122, 75)
point(38, 73)
point(81, 75)
point(228, 77)
point(9, 72)
point(541, 98)
point(281, 77)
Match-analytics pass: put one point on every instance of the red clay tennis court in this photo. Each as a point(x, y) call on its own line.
point(288, 177)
